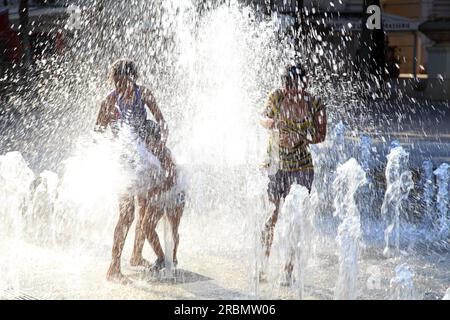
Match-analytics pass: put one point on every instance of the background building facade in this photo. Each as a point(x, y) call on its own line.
point(402, 19)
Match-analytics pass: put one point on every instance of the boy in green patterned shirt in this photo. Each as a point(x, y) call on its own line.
point(295, 120)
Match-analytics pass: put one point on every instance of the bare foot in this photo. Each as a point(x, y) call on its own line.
point(158, 265)
point(117, 277)
point(139, 262)
point(287, 279)
point(262, 278)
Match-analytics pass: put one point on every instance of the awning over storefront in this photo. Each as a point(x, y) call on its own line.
point(390, 22)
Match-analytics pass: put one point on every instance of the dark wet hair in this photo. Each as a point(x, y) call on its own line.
point(294, 74)
point(124, 68)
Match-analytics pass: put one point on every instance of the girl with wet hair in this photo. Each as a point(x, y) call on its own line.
point(124, 68)
point(125, 110)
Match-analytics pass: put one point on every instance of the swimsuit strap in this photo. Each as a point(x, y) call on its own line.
point(132, 114)
point(136, 104)
point(140, 104)
point(138, 94)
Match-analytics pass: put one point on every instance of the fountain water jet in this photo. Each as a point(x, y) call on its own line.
point(399, 184)
point(428, 191)
point(296, 232)
point(350, 177)
point(15, 193)
point(339, 142)
point(447, 295)
point(366, 157)
point(41, 219)
point(367, 193)
point(210, 74)
point(402, 284)
point(168, 249)
point(16, 179)
point(442, 178)
point(327, 156)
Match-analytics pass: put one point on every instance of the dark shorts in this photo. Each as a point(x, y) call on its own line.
point(281, 182)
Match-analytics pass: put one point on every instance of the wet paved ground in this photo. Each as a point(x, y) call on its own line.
point(46, 274)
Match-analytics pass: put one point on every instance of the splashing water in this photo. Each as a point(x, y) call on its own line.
point(399, 184)
point(40, 216)
point(442, 178)
point(327, 156)
point(366, 156)
point(402, 284)
point(210, 71)
point(395, 144)
point(350, 177)
point(15, 183)
point(296, 231)
point(447, 295)
point(210, 74)
point(367, 193)
point(428, 191)
point(339, 141)
point(95, 176)
point(16, 179)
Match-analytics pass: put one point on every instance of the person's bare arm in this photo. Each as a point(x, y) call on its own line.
point(267, 119)
point(105, 114)
point(267, 122)
point(150, 101)
point(320, 123)
point(165, 158)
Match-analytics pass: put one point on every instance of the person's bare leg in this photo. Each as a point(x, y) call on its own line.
point(268, 232)
point(267, 239)
point(126, 217)
point(149, 223)
point(288, 269)
point(174, 217)
point(139, 239)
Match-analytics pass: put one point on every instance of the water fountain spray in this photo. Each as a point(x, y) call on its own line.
point(401, 286)
point(447, 295)
point(16, 179)
point(428, 192)
point(15, 188)
point(399, 184)
point(442, 177)
point(296, 232)
point(339, 142)
point(40, 216)
point(327, 156)
point(350, 177)
point(210, 73)
point(209, 70)
point(366, 195)
point(366, 153)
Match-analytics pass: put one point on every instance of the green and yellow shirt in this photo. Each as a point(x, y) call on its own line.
point(297, 158)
